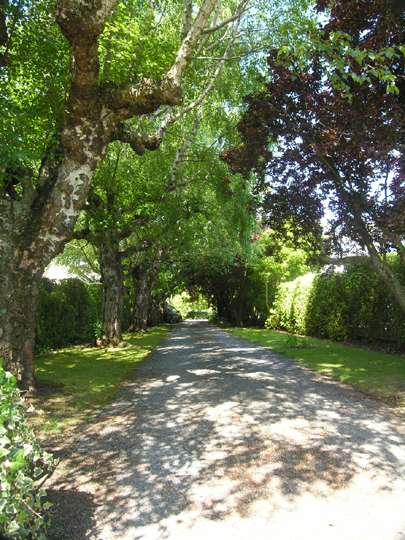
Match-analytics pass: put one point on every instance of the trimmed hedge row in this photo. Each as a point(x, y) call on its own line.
point(340, 306)
point(69, 312)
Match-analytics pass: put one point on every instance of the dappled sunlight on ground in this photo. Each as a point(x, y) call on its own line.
point(218, 439)
point(73, 383)
point(375, 372)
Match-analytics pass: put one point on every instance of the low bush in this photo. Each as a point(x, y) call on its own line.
point(23, 465)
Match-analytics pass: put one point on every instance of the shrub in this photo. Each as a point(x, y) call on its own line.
point(290, 305)
point(203, 314)
point(341, 306)
point(69, 313)
point(328, 312)
point(22, 466)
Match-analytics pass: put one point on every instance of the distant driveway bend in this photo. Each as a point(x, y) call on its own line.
point(216, 438)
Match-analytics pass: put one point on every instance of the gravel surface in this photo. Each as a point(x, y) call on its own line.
point(218, 438)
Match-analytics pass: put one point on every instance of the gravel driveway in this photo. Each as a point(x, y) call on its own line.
point(218, 438)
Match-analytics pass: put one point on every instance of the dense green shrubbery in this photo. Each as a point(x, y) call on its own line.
point(203, 314)
point(69, 312)
point(340, 306)
point(375, 311)
point(328, 311)
point(22, 465)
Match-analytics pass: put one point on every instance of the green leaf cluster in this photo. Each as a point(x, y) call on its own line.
point(33, 84)
point(138, 42)
point(22, 465)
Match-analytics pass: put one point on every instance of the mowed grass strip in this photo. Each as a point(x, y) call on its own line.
point(73, 383)
point(378, 374)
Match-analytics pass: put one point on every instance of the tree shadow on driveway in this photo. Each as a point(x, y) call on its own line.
point(214, 428)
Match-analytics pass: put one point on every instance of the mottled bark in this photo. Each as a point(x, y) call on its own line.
point(155, 313)
point(35, 226)
point(188, 8)
point(18, 309)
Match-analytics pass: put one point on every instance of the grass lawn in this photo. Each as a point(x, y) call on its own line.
point(75, 382)
point(378, 374)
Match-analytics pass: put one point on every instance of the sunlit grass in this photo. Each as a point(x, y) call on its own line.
point(379, 374)
point(74, 383)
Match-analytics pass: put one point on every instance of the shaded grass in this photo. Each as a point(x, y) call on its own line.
point(74, 383)
point(375, 373)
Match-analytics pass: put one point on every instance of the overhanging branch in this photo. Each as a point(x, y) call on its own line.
point(341, 261)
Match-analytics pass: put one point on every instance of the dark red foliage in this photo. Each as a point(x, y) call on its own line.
point(308, 143)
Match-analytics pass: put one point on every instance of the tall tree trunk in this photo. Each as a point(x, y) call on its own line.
point(154, 274)
point(18, 308)
point(373, 261)
point(34, 228)
point(144, 278)
point(223, 306)
point(155, 312)
point(139, 315)
point(238, 313)
point(112, 277)
point(387, 276)
point(238, 295)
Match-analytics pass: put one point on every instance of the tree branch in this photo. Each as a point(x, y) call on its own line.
point(188, 6)
point(136, 249)
point(141, 98)
point(213, 29)
point(175, 73)
point(401, 249)
point(351, 259)
point(82, 23)
point(140, 142)
point(180, 153)
point(82, 234)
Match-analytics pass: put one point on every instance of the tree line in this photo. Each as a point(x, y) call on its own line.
point(115, 115)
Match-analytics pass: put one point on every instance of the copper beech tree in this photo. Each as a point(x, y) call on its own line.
point(315, 143)
point(39, 207)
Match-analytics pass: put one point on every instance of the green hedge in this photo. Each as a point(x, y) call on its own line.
point(193, 314)
point(340, 306)
point(69, 312)
point(290, 305)
point(328, 312)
